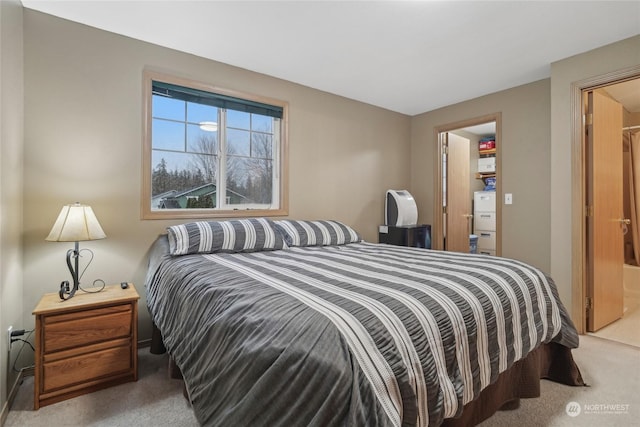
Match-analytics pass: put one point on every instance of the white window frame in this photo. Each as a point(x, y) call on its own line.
point(279, 205)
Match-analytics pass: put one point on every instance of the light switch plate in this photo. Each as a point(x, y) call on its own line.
point(508, 198)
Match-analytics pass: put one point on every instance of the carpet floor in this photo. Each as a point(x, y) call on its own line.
point(154, 400)
point(611, 369)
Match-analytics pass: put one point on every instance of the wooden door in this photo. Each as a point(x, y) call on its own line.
point(605, 228)
point(458, 196)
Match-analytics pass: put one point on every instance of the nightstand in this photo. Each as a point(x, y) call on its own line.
point(86, 343)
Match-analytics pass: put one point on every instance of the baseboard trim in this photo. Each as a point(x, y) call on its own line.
point(12, 394)
point(144, 343)
point(5, 413)
point(28, 372)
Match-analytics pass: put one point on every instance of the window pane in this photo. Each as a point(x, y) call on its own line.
point(204, 165)
point(168, 108)
point(261, 123)
point(200, 141)
point(249, 181)
point(261, 145)
point(178, 178)
point(238, 119)
point(238, 142)
point(197, 113)
point(167, 135)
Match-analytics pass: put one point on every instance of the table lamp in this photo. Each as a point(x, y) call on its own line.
point(75, 223)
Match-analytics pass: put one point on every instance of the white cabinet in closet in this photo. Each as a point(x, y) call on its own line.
point(484, 214)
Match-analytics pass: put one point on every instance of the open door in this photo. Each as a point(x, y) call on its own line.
point(605, 221)
point(458, 200)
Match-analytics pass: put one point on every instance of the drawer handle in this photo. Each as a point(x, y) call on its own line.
point(485, 234)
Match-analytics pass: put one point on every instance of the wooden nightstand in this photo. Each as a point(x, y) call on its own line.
point(86, 343)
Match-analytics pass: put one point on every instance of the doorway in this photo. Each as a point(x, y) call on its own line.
point(609, 301)
point(458, 179)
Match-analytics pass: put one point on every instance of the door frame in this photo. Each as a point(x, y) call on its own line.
point(437, 235)
point(578, 188)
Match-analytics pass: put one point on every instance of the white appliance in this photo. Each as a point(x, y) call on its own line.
point(400, 208)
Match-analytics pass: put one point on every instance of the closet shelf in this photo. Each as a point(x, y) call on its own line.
point(490, 151)
point(483, 175)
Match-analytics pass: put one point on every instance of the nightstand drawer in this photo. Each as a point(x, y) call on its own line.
point(83, 328)
point(85, 368)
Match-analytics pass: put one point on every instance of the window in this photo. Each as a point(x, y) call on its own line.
point(210, 152)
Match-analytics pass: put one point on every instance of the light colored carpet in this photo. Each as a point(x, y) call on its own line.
point(613, 399)
point(154, 400)
point(612, 369)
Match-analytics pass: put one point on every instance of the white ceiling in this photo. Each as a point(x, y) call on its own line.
point(406, 56)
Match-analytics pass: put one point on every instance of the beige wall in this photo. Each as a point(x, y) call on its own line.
point(11, 128)
point(83, 109)
point(525, 164)
point(630, 119)
point(597, 62)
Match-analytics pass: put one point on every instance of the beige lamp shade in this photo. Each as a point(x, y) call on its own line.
point(76, 223)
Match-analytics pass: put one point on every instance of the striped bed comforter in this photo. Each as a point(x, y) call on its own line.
point(358, 334)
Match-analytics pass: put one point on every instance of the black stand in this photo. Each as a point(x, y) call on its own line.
point(417, 236)
point(66, 293)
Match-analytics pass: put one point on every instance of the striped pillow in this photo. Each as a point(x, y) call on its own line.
point(316, 233)
point(243, 235)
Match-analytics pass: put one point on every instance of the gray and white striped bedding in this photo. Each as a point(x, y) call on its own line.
point(359, 334)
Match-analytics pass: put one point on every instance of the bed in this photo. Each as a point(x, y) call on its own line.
point(301, 323)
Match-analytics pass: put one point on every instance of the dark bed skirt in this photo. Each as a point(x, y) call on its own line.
point(549, 361)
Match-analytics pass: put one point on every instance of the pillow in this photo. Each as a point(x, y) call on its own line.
point(242, 235)
point(316, 233)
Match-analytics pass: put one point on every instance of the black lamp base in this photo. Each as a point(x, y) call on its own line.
point(66, 293)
